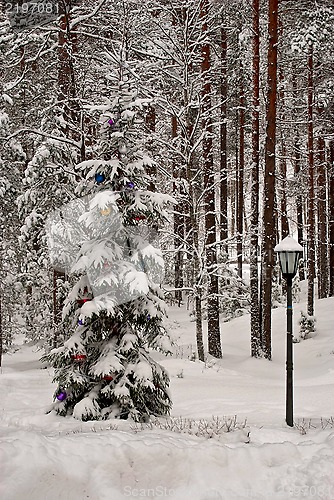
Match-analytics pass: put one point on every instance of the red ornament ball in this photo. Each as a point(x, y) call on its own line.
point(83, 301)
point(79, 357)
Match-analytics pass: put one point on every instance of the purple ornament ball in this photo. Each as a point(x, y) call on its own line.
point(130, 185)
point(61, 396)
point(111, 122)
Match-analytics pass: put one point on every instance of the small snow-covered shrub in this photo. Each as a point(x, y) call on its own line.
point(279, 290)
point(304, 425)
point(234, 294)
point(216, 427)
point(296, 290)
point(186, 351)
point(306, 326)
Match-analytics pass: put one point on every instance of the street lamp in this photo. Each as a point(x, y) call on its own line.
point(289, 252)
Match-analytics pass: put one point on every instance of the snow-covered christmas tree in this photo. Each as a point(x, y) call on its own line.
point(115, 311)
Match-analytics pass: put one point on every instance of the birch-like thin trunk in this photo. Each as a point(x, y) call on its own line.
point(178, 224)
point(240, 172)
point(299, 206)
point(223, 142)
point(193, 177)
point(297, 170)
point(283, 199)
point(322, 222)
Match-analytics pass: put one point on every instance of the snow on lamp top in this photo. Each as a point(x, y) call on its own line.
point(288, 244)
point(289, 252)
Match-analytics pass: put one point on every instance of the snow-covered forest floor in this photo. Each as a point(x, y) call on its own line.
point(48, 457)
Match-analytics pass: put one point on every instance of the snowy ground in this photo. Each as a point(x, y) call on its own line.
point(45, 457)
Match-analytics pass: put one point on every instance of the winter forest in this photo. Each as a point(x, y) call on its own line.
point(152, 155)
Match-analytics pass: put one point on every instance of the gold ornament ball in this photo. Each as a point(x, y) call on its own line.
point(105, 211)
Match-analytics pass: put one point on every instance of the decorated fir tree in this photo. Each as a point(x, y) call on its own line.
point(108, 240)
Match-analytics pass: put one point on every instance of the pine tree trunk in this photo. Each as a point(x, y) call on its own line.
point(28, 319)
point(331, 219)
point(311, 200)
point(322, 222)
point(214, 341)
point(66, 78)
point(66, 99)
point(223, 142)
point(254, 239)
point(240, 172)
point(268, 242)
point(1, 332)
point(231, 193)
point(57, 306)
point(150, 119)
point(236, 174)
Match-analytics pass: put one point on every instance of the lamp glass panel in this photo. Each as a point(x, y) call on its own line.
point(289, 262)
point(282, 260)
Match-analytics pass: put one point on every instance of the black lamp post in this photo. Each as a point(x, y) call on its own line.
point(289, 252)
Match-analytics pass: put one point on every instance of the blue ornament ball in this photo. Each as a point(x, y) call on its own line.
point(130, 185)
point(99, 178)
point(80, 322)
